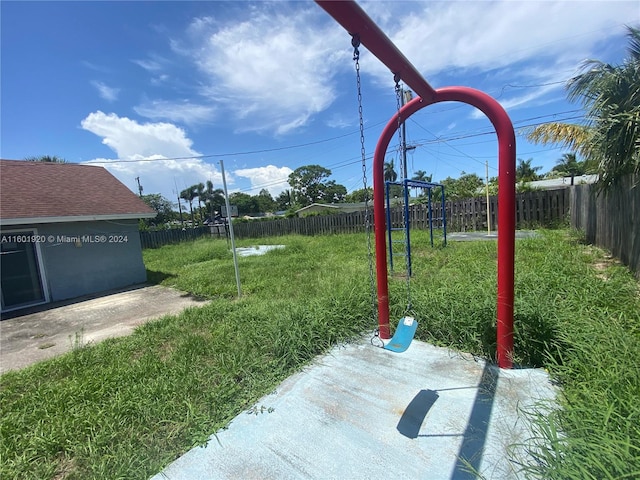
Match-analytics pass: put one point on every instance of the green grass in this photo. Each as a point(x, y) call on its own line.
point(127, 407)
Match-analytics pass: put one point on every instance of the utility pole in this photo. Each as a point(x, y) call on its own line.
point(139, 186)
point(405, 98)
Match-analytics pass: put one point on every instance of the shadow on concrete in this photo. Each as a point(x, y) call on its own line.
point(157, 277)
point(413, 416)
point(475, 435)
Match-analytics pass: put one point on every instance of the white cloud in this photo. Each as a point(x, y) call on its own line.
point(474, 39)
point(532, 97)
point(154, 64)
point(488, 35)
point(152, 143)
point(274, 179)
point(108, 93)
point(339, 121)
point(129, 138)
point(179, 111)
point(274, 70)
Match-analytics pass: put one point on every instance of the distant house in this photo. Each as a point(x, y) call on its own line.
point(66, 230)
point(315, 208)
point(563, 182)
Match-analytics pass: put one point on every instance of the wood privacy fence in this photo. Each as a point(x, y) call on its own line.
point(159, 238)
point(537, 208)
point(610, 219)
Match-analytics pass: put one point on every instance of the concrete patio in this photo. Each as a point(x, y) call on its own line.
point(363, 412)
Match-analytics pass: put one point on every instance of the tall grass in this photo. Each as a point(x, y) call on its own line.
point(126, 407)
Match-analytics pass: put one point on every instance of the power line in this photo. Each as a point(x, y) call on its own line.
point(235, 154)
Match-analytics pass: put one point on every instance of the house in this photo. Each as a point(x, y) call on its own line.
point(323, 208)
point(562, 182)
point(66, 230)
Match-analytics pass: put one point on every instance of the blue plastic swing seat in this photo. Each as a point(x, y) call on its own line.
point(403, 335)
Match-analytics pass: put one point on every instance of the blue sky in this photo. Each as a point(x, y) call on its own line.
point(269, 86)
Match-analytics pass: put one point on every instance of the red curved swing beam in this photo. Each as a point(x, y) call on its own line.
point(356, 21)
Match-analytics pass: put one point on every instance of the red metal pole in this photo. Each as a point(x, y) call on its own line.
point(506, 213)
point(356, 21)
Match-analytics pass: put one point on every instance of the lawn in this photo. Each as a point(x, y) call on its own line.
point(127, 407)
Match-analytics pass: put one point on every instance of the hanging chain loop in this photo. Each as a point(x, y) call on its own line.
point(403, 175)
point(355, 42)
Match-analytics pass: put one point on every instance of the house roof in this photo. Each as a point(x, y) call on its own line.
point(40, 192)
point(562, 182)
point(334, 206)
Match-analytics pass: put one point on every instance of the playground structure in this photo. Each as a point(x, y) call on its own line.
point(358, 24)
point(406, 227)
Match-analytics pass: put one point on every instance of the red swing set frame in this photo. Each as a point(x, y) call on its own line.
point(356, 21)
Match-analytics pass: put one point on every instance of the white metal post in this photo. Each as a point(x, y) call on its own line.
point(233, 242)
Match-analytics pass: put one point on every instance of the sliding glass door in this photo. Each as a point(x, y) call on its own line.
point(20, 271)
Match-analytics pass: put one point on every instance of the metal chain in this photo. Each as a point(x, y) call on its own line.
point(399, 94)
point(355, 42)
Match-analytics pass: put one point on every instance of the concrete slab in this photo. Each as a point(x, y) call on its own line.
point(42, 332)
point(483, 235)
point(361, 412)
point(257, 250)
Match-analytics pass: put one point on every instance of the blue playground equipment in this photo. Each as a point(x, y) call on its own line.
point(405, 240)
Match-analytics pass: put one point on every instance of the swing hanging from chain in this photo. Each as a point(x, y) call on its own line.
point(407, 325)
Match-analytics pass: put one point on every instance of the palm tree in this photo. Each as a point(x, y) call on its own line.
point(199, 189)
point(189, 194)
point(525, 172)
point(390, 174)
point(610, 96)
point(213, 197)
point(421, 176)
point(569, 165)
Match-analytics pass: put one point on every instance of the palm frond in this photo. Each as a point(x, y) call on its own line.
point(634, 43)
point(574, 137)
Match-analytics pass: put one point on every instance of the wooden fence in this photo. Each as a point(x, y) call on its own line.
point(537, 208)
point(159, 238)
point(611, 219)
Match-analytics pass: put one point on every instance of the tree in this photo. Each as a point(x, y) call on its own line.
point(568, 165)
point(246, 203)
point(610, 95)
point(284, 200)
point(390, 174)
point(333, 192)
point(421, 176)
point(525, 172)
point(46, 159)
point(307, 183)
point(265, 201)
point(160, 205)
point(360, 195)
point(200, 192)
point(469, 185)
point(189, 194)
point(214, 197)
